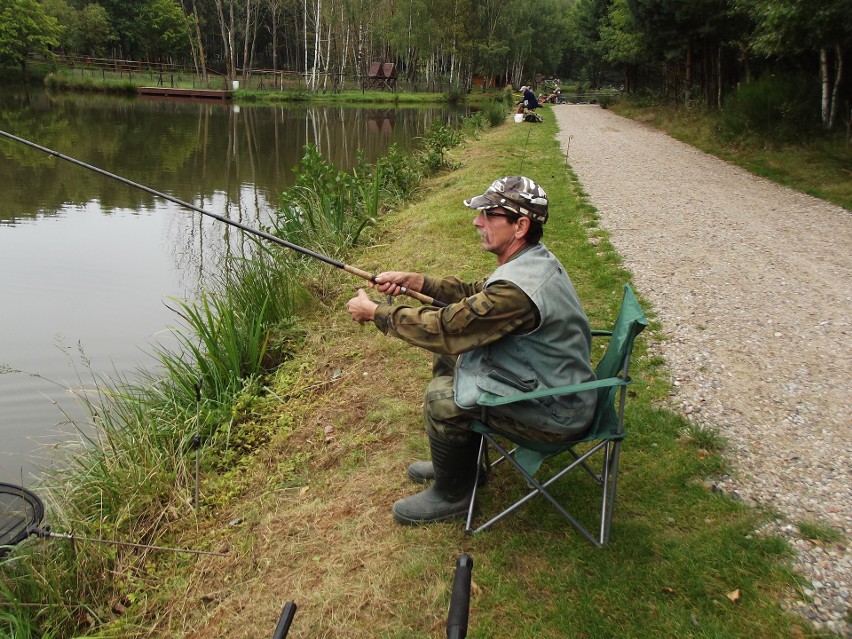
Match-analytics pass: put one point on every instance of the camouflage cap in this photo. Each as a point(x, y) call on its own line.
point(515, 193)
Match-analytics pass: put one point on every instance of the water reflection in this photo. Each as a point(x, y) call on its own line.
point(88, 262)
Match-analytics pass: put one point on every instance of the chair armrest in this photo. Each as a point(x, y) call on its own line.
point(600, 333)
point(490, 399)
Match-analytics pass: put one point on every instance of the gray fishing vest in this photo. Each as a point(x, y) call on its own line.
point(555, 353)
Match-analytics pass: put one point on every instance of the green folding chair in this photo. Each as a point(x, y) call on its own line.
point(606, 430)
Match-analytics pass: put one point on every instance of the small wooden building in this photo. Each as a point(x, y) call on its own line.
point(382, 75)
point(481, 82)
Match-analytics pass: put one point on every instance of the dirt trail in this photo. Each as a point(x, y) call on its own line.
point(753, 283)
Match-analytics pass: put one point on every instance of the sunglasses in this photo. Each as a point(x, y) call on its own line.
point(493, 213)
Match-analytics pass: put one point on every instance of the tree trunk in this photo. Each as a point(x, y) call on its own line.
point(838, 78)
point(231, 43)
point(192, 46)
point(202, 59)
point(274, 9)
point(719, 77)
point(253, 39)
point(687, 81)
point(825, 82)
point(229, 73)
point(316, 45)
point(246, 43)
point(305, 35)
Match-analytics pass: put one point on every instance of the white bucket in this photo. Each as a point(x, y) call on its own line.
point(519, 117)
point(235, 84)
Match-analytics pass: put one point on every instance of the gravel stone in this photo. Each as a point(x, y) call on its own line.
point(752, 283)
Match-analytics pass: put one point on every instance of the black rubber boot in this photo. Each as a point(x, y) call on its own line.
point(421, 472)
point(448, 498)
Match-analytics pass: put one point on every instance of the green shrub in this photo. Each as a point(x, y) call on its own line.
point(775, 108)
point(606, 100)
point(438, 140)
point(326, 209)
point(455, 96)
point(400, 174)
point(495, 113)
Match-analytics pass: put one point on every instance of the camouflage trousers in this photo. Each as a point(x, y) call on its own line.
point(446, 420)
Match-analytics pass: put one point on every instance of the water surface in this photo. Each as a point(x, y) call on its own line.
point(87, 264)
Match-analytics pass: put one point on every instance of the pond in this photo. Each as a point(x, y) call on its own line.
point(89, 264)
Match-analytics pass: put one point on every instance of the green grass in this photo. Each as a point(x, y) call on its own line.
point(817, 531)
point(294, 90)
point(677, 552)
point(323, 443)
point(821, 165)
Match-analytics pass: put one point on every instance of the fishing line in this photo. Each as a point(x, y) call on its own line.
point(524, 156)
point(425, 299)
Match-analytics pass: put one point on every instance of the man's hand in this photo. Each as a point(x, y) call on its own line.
point(391, 282)
point(361, 307)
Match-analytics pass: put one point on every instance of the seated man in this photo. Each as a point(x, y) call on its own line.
point(521, 329)
point(528, 100)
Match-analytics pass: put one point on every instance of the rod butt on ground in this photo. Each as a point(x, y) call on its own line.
point(460, 599)
point(285, 620)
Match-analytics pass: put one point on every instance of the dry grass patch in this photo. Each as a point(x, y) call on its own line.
point(329, 541)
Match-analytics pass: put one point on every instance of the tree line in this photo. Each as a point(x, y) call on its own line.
point(694, 50)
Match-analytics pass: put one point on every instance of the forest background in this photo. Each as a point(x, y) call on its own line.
point(689, 51)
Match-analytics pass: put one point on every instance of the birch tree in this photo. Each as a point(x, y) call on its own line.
point(820, 29)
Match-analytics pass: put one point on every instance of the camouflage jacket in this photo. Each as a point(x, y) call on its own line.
point(474, 317)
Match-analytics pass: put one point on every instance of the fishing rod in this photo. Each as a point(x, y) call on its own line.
point(425, 299)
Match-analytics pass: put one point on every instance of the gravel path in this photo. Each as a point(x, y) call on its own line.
point(753, 284)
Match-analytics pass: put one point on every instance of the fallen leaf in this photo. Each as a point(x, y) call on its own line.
point(668, 591)
point(734, 595)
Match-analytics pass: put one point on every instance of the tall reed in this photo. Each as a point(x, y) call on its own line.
point(129, 476)
point(326, 209)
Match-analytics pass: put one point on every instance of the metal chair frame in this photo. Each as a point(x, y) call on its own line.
point(607, 432)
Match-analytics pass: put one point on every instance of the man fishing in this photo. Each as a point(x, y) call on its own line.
point(521, 329)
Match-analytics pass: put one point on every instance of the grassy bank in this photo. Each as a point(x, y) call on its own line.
point(817, 163)
point(256, 90)
point(300, 474)
point(307, 517)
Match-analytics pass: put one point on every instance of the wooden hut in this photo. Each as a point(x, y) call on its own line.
point(382, 75)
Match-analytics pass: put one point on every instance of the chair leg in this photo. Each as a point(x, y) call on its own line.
point(594, 475)
point(539, 489)
point(609, 477)
point(611, 459)
point(483, 453)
